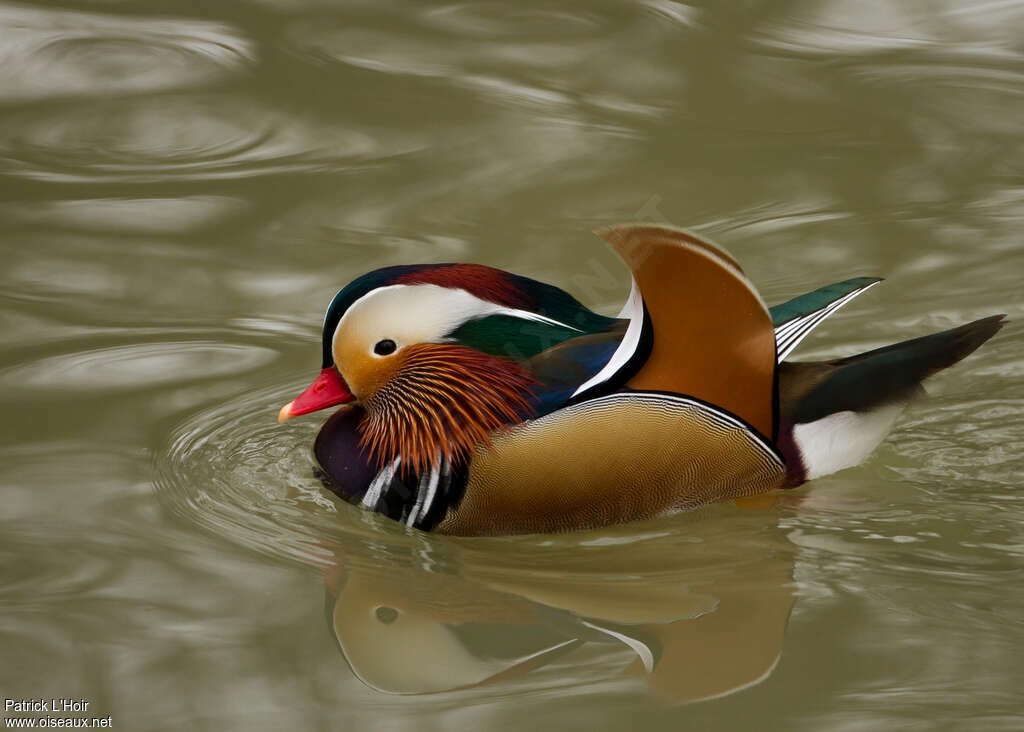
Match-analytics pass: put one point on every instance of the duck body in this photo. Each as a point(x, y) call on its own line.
point(482, 402)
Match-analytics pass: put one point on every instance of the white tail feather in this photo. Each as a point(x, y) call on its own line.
point(843, 439)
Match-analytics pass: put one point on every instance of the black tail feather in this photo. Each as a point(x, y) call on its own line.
point(889, 374)
point(939, 350)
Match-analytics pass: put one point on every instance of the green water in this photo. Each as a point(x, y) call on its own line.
point(184, 186)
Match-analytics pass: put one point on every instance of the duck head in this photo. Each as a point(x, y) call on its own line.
point(438, 357)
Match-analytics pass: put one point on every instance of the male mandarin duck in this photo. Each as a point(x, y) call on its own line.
point(482, 402)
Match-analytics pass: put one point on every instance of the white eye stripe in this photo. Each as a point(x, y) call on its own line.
point(348, 311)
point(422, 313)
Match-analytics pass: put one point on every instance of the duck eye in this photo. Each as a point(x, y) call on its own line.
point(385, 347)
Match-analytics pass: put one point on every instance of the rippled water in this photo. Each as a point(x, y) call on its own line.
point(182, 189)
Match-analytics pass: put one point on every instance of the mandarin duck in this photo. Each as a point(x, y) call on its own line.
point(481, 402)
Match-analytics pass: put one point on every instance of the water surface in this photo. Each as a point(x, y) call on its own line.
point(181, 192)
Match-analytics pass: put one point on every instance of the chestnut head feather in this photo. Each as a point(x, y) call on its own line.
point(443, 400)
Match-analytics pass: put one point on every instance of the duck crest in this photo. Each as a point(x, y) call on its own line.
point(484, 282)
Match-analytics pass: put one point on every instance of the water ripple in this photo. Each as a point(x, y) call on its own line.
point(134, 366)
point(56, 53)
point(181, 138)
point(234, 470)
point(852, 27)
point(525, 60)
point(134, 215)
point(493, 20)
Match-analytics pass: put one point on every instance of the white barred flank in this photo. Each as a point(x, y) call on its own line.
point(427, 490)
point(431, 484)
point(379, 484)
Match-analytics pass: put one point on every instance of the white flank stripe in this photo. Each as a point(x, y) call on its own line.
point(425, 492)
point(376, 489)
point(634, 310)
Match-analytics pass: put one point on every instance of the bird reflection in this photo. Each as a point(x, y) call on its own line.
point(697, 612)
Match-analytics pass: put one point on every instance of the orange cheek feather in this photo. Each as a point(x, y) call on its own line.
point(435, 400)
point(365, 374)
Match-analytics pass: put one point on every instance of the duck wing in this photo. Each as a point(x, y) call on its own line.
point(710, 333)
point(796, 318)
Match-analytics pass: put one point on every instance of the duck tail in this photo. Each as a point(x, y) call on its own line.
point(834, 413)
